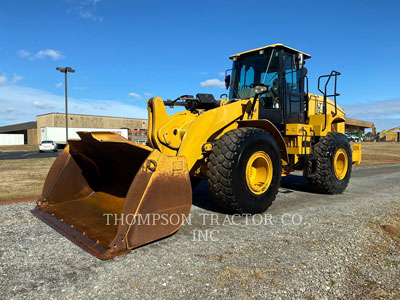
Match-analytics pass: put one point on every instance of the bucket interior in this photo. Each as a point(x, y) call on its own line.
point(108, 169)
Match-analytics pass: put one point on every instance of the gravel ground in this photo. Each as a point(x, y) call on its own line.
point(308, 246)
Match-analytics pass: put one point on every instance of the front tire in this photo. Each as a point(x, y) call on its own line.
point(331, 169)
point(244, 170)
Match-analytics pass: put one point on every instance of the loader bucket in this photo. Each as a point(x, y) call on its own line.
point(109, 195)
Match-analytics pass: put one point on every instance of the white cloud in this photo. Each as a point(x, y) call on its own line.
point(135, 95)
point(221, 74)
point(213, 83)
point(9, 110)
point(86, 10)
point(38, 104)
point(79, 88)
point(53, 54)
point(44, 53)
point(147, 94)
point(17, 78)
point(59, 84)
point(374, 109)
point(203, 73)
point(23, 98)
point(3, 79)
point(23, 53)
point(86, 14)
point(384, 113)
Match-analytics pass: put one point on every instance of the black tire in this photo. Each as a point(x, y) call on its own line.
point(227, 170)
point(322, 178)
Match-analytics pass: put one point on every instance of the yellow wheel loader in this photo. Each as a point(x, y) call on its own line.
point(110, 195)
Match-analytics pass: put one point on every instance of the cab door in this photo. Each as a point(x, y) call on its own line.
point(293, 90)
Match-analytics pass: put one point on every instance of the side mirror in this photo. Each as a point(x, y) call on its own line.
point(227, 81)
point(260, 89)
point(299, 60)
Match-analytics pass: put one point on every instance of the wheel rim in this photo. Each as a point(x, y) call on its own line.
point(259, 172)
point(340, 164)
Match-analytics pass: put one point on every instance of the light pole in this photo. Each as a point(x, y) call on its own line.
point(65, 71)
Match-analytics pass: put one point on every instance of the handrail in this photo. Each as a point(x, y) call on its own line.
point(334, 74)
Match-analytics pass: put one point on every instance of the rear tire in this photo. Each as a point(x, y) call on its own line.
point(331, 170)
point(244, 170)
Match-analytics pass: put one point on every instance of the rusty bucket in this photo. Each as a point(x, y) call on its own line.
point(109, 195)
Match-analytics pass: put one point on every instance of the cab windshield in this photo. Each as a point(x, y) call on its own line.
point(254, 68)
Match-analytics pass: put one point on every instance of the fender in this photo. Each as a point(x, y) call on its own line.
point(272, 130)
point(338, 119)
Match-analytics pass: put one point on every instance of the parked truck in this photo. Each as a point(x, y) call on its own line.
point(57, 134)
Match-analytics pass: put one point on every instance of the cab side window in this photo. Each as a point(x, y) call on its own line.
point(246, 77)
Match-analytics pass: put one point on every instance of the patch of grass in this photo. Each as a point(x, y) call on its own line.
point(16, 148)
point(392, 230)
point(23, 177)
point(380, 153)
point(391, 262)
point(392, 224)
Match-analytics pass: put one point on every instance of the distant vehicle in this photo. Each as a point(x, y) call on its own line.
point(353, 138)
point(48, 146)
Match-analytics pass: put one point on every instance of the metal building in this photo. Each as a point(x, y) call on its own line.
point(31, 130)
point(357, 127)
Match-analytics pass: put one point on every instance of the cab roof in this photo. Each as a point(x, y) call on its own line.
point(306, 56)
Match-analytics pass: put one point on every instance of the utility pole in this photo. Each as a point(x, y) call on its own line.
point(65, 71)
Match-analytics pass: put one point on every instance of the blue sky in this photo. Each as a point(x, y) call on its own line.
point(125, 51)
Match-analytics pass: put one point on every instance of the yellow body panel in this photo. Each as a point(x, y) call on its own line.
point(356, 154)
point(316, 104)
point(298, 138)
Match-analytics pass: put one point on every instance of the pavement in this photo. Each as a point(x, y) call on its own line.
point(27, 154)
point(306, 246)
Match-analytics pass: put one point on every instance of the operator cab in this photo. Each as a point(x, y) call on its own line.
point(281, 69)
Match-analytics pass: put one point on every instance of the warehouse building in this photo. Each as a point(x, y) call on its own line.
point(137, 128)
point(28, 129)
point(357, 127)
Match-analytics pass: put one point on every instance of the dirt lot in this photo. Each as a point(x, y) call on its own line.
point(23, 177)
point(380, 153)
point(19, 148)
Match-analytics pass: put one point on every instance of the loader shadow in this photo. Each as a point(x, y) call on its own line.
point(292, 183)
point(202, 197)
